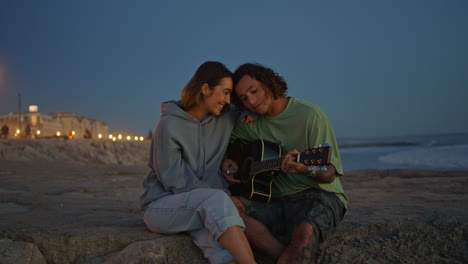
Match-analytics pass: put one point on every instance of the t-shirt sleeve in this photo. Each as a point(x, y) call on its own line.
point(321, 132)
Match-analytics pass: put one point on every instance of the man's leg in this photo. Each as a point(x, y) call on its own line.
point(316, 214)
point(258, 234)
point(301, 247)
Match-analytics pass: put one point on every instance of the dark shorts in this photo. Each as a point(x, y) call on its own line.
point(323, 210)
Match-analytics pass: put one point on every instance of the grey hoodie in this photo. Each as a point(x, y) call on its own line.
point(186, 153)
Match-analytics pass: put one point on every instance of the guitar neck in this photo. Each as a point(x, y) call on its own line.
point(266, 165)
point(312, 157)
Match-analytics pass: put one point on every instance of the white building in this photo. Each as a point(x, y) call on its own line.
point(68, 124)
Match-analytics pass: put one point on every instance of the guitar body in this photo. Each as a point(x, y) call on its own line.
point(256, 186)
point(260, 161)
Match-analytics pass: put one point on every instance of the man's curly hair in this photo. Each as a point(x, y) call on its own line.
point(275, 84)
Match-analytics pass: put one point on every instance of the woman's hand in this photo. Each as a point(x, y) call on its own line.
point(227, 170)
point(247, 119)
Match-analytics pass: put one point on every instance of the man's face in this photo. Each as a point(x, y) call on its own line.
point(253, 95)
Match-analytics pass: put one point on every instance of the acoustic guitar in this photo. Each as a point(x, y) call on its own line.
point(259, 163)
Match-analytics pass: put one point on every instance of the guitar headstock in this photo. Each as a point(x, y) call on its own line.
point(317, 156)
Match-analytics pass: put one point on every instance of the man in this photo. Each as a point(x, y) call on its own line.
point(306, 205)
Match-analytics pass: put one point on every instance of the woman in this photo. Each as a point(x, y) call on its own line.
point(183, 191)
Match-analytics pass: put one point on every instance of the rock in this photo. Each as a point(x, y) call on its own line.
point(92, 151)
point(77, 202)
point(18, 252)
point(174, 249)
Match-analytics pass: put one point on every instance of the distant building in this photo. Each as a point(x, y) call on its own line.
point(83, 127)
point(65, 123)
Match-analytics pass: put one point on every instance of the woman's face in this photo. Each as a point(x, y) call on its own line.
point(218, 97)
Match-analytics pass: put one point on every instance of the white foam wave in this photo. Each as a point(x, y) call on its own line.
point(449, 157)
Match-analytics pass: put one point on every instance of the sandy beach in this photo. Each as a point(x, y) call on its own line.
point(76, 201)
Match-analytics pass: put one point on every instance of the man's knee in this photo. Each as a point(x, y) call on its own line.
point(239, 205)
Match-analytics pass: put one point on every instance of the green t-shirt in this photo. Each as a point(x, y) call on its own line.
point(300, 126)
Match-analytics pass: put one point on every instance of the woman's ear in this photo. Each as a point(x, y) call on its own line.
point(205, 89)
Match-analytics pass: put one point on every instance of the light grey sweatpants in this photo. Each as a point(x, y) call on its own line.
point(204, 213)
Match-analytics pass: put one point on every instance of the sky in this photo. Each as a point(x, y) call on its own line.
point(377, 68)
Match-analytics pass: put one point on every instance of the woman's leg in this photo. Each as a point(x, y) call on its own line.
point(207, 214)
point(234, 240)
point(230, 247)
point(224, 224)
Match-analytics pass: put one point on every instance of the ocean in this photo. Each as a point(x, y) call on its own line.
point(430, 152)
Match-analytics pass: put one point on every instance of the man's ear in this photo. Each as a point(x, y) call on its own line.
point(205, 89)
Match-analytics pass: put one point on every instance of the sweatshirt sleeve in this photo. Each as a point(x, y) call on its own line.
point(172, 171)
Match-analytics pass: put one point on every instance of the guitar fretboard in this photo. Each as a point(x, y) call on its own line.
point(265, 165)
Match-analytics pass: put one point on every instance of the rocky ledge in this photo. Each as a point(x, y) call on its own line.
point(61, 211)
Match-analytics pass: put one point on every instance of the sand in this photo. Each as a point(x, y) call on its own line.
point(77, 202)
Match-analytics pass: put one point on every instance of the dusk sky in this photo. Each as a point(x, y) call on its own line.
point(377, 68)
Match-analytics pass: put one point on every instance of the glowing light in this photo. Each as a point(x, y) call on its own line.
point(17, 131)
point(58, 134)
point(73, 132)
point(119, 136)
point(111, 136)
point(129, 137)
point(99, 136)
point(141, 138)
point(136, 138)
point(33, 108)
point(38, 132)
point(114, 139)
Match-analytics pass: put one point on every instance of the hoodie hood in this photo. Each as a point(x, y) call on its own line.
point(173, 108)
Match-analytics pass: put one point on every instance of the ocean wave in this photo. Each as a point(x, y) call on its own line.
point(378, 144)
point(448, 157)
point(405, 141)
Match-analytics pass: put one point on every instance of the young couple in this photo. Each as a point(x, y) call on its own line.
point(185, 193)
